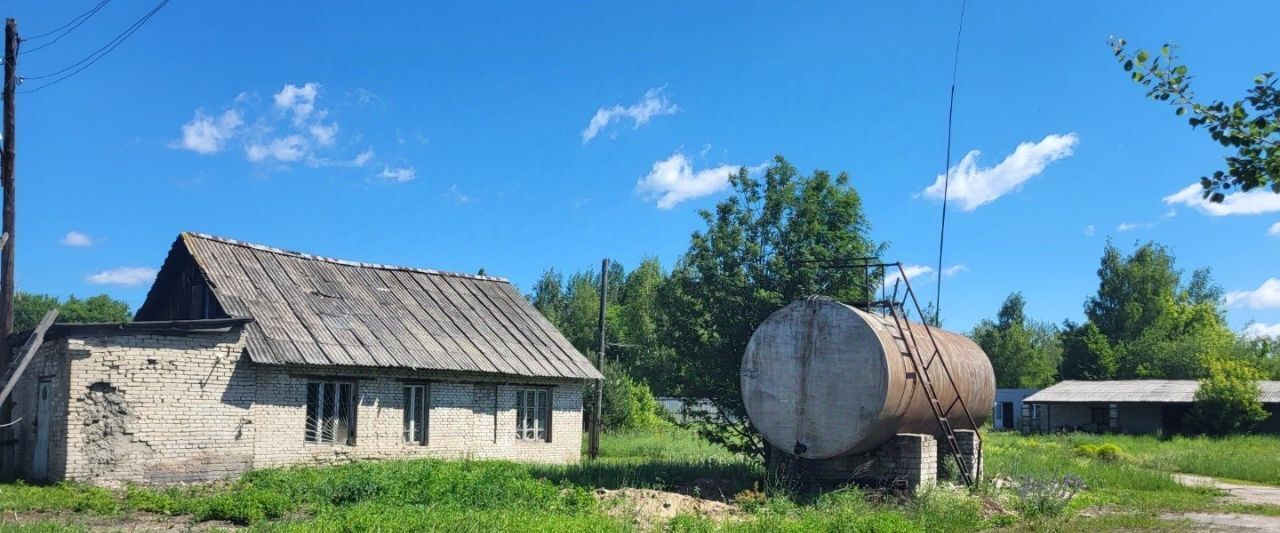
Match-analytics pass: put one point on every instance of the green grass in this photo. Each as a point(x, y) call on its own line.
point(1127, 490)
point(1119, 483)
point(1245, 457)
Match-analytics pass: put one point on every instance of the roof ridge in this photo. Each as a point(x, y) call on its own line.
point(303, 255)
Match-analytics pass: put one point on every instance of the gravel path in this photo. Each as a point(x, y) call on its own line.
point(1255, 494)
point(1247, 494)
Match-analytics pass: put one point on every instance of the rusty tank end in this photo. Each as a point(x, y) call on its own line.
point(822, 379)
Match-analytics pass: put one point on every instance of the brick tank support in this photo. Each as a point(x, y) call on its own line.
point(970, 453)
point(907, 461)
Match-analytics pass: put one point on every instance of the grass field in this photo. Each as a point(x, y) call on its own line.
point(1128, 490)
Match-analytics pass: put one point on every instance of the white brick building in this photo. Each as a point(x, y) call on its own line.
point(245, 357)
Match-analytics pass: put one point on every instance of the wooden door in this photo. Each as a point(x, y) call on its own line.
point(44, 411)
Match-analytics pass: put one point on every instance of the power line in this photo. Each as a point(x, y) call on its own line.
point(69, 26)
point(89, 60)
point(946, 180)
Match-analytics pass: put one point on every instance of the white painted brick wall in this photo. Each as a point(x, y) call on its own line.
point(166, 408)
point(461, 422)
point(183, 413)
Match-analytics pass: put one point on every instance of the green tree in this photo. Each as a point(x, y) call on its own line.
point(29, 308)
point(1148, 323)
point(636, 325)
point(1023, 354)
point(1087, 354)
point(1227, 400)
point(629, 404)
point(749, 261)
point(1262, 353)
point(1250, 126)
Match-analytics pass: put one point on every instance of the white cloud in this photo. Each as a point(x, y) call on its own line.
point(1255, 202)
point(300, 101)
point(653, 104)
point(367, 97)
point(912, 271)
point(128, 276)
point(285, 149)
point(397, 175)
point(206, 134)
point(673, 180)
point(1262, 331)
point(1128, 226)
point(1266, 296)
point(324, 134)
point(454, 194)
point(1274, 230)
point(292, 127)
point(1089, 230)
point(973, 187)
point(363, 158)
point(77, 239)
point(953, 270)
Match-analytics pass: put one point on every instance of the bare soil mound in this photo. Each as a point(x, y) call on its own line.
point(648, 507)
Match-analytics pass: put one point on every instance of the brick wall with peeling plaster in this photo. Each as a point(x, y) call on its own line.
point(176, 408)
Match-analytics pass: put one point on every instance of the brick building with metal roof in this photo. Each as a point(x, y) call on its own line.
point(1140, 406)
point(246, 356)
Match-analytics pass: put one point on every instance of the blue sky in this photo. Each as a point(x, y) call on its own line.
point(460, 136)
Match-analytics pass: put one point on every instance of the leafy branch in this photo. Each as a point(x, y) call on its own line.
point(1250, 126)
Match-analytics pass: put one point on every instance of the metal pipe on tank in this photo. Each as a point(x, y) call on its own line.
point(822, 379)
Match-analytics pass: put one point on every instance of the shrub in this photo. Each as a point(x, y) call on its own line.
point(1046, 496)
point(1106, 452)
point(1227, 400)
point(751, 499)
point(629, 404)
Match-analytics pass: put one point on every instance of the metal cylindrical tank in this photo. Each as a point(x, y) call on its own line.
point(822, 379)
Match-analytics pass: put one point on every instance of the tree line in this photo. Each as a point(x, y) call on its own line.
point(1147, 320)
point(681, 331)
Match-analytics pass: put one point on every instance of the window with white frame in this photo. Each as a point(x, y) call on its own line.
point(417, 407)
point(331, 414)
point(533, 414)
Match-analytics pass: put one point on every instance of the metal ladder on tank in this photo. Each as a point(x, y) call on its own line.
point(889, 305)
point(907, 336)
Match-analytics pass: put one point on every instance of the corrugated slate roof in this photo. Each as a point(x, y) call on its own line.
point(1136, 390)
point(313, 310)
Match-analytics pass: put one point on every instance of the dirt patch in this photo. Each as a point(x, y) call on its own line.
point(715, 489)
point(1228, 521)
point(649, 508)
point(1249, 494)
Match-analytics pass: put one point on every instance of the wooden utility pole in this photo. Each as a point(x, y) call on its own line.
point(6, 252)
point(6, 181)
point(597, 418)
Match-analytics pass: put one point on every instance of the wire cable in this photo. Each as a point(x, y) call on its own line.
point(946, 180)
point(89, 60)
point(69, 26)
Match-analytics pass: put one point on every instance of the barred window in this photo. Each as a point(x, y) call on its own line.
point(533, 415)
point(417, 408)
point(331, 414)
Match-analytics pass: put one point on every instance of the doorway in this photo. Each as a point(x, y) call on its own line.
point(44, 411)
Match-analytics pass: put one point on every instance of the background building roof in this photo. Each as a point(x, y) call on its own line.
point(1136, 390)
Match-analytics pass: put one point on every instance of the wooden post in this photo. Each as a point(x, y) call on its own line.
point(6, 181)
point(6, 254)
point(28, 351)
point(597, 418)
